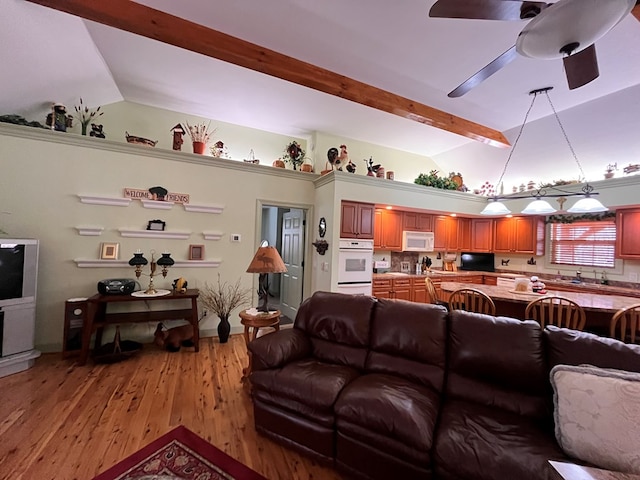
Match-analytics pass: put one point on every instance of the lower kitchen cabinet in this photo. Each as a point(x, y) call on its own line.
point(418, 290)
point(397, 288)
point(490, 280)
point(382, 288)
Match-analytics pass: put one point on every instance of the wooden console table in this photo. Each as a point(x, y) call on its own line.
point(97, 316)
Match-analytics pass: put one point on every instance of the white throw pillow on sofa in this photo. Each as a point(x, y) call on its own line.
point(597, 415)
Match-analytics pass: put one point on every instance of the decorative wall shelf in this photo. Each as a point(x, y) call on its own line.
point(97, 263)
point(127, 232)
point(190, 207)
point(112, 201)
point(212, 235)
point(146, 203)
point(90, 231)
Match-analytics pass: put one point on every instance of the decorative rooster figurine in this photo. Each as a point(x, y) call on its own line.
point(371, 168)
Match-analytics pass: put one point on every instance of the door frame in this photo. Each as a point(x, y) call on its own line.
point(307, 288)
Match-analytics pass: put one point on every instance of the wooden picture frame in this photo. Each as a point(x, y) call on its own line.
point(109, 251)
point(196, 252)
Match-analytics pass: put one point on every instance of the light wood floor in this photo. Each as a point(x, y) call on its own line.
point(62, 421)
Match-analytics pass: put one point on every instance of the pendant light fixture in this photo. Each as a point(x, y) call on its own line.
point(540, 206)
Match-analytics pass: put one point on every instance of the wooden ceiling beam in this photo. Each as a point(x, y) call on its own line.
point(135, 18)
point(636, 11)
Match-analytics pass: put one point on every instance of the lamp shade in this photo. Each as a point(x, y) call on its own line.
point(165, 260)
point(587, 205)
point(495, 208)
point(137, 259)
point(267, 260)
point(538, 207)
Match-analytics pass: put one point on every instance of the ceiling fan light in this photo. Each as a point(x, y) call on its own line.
point(539, 207)
point(495, 208)
point(588, 205)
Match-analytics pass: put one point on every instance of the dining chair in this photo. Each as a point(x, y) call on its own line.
point(625, 324)
point(432, 294)
point(472, 300)
point(558, 311)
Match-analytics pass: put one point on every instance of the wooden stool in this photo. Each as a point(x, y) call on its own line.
point(252, 324)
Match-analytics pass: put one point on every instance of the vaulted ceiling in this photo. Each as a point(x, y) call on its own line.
point(390, 56)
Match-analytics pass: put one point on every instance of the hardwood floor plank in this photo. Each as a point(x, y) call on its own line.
point(62, 421)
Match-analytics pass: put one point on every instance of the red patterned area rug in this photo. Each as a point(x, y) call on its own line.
point(180, 455)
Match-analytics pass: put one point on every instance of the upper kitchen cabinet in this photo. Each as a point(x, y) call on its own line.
point(417, 222)
point(387, 230)
point(356, 220)
point(464, 234)
point(481, 235)
point(445, 233)
point(628, 233)
point(519, 235)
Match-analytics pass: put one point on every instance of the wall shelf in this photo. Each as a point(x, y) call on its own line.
point(112, 201)
point(89, 231)
point(128, 232)
point(212, 235)
point(98, 263)
point(190, 207)
point(159, 205)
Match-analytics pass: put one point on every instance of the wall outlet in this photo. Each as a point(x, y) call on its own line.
point(236, 237)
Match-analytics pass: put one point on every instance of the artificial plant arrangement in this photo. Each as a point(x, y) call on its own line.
point(294, 154)
point(200, 132)
point(222, 299)
point(433, 180)
point(86, 116)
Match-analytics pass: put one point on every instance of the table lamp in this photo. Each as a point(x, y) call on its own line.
point(139, 261)
point(266, 260)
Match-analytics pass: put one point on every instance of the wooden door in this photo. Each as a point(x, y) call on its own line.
point(523, 234)
point(628, 233)
point(440, 232)
point(402, 289)
point(464, 234)
point(382, 288)
point(481, 234)
point(418, 290)
point(378, 235)
point(410, 221)
point(425, 222)
point(503, 235)
point(365, 220)
point(453, 235)
point(292, 256)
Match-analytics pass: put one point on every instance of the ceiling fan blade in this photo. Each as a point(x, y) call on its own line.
point(581, 68)
point(486, 9)
point(479, 77)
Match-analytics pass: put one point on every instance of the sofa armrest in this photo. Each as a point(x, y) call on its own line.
point(279, 348)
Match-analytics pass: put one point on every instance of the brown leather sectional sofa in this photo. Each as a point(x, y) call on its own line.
point(387, 389)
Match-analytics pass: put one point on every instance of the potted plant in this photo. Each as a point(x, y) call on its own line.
point(294, 154)
point(200, 135)
point(86, 115)
point(222, 299)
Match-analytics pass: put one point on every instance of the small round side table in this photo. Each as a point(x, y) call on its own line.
point(252, 324)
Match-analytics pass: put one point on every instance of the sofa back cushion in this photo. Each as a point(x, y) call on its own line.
point(498, 362)
point(409, 339)
point(338, 326)
point(571, 347)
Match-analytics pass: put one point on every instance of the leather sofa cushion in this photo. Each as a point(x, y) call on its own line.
point(273, 351)
point(309, 381)
point(338, 326)
point(390, 413)
point(409, 339)
point(498, 362)
point(483, 443)
point(571, 347)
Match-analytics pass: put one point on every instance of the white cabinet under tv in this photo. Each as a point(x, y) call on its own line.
point(18, 281)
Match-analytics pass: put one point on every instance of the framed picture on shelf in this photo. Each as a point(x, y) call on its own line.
point(109, 251)
point(157, 225)
point(196, 252)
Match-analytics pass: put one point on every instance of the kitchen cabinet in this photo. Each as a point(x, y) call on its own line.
point(464, 234)
point(445, 233)
point(490, 280)
point(519, 235)
point(628, 233)
point(418, 290)
point(387, 230)
point(356, 220)
point(417, 222)
point(397, 288)
point(482, 235)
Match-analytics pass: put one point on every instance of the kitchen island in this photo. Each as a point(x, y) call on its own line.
point(598, 308)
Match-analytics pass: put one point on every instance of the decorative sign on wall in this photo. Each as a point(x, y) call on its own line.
point(156, 193)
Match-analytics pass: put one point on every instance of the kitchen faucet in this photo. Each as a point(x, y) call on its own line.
point(578, 273)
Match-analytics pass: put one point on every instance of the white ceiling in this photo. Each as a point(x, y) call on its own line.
point(395, 46)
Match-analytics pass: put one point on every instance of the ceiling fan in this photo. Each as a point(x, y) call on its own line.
point(566, 29)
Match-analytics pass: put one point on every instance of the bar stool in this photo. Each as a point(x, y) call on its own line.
point(558, 311)
point(472, 300)
point(625, 324)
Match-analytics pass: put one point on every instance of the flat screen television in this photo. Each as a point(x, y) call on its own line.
point(483, 262)
point(18, 270)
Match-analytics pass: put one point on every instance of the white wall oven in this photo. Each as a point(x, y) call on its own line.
point(355, 266)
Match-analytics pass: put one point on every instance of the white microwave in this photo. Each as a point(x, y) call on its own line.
point(417, 241)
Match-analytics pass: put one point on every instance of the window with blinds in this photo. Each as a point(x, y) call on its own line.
point(590, 244)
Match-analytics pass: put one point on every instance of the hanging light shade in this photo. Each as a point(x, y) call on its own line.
point(495, 208)
point(587, 205)
point(538, 207)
